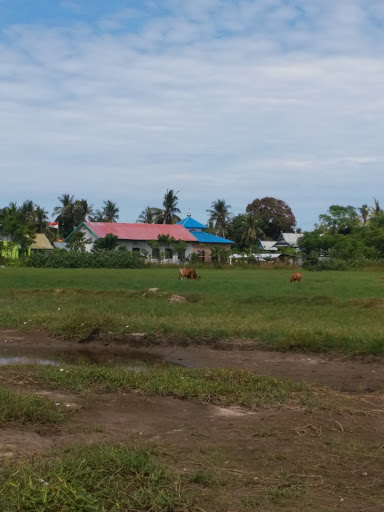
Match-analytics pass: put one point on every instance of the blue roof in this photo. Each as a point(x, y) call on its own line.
point(207, 238)
point(190, 223)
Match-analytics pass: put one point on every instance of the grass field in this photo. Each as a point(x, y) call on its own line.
point(327, 311)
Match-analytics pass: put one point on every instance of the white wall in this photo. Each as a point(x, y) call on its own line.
point(131, 244)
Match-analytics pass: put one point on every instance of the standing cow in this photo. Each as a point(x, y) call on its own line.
point(296, 276)
point(189, 273)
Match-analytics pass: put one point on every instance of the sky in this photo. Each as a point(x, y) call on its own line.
point(233, 99)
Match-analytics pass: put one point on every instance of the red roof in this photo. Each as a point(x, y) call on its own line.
point(140, 231)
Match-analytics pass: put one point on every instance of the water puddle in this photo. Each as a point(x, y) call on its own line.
point(130, 359)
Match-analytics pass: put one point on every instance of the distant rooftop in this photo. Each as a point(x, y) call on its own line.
point(207, 238)
point(191, 223)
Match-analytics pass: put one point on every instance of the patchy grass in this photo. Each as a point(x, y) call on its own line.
point(327, 311)
point(89, 479)
point(25, 408)
point(219, 386)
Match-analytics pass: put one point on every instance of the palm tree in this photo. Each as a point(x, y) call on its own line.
point(27, 210)
point(220, 215)
point(364, 210)
point(98, 217)
point(82, 210)
point(251, 230)
point(65, 214)
point(149, 215)
point(41, 219)
point(375, 209)
point(110, 211)
point(170, 209)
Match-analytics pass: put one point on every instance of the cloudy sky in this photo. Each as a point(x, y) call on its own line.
point(233, 99)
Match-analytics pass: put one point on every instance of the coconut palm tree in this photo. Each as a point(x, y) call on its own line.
point(149, 215)
point(110, 211)
point(82, 211)
point(251, 230)
point(41, 219)
point(27, 210)
point(65, 214)
point(220, 215)
point(169, 211)
point(364, 210)
point(375, 209)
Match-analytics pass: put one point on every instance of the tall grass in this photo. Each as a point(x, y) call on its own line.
point(326, 311)
point(91, 479)
point(26, 408)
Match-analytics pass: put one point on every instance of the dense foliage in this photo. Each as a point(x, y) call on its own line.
point(61, 258)
point(274, 215)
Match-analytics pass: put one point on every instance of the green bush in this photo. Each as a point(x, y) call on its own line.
point(61, 258)
point(327, 264)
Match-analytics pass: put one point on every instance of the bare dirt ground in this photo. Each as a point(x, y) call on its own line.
point(280, 459)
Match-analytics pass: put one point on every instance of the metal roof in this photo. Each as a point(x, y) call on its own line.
point(289, 238)
point(268, 245)
point(191, 223)
point(139, 231)
point(210, 239)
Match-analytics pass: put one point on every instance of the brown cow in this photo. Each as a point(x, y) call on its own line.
point(296, 276)
point(189, 273)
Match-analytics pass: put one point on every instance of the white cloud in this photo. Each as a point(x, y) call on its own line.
point(216, 98)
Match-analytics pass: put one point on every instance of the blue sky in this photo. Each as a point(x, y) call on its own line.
point(233, 99)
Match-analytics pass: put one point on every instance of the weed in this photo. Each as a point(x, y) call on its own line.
point(93, 478)
point(27, 408)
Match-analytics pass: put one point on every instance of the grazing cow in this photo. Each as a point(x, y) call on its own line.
point(296, 276)
point(189, 273)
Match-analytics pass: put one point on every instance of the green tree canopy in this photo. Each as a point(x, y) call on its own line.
point(274, 216)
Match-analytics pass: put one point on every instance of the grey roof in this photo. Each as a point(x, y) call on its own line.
point(268, 245)
point(60, 245)
point(289, 238)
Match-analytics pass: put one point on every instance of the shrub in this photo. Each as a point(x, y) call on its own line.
point(60, 258)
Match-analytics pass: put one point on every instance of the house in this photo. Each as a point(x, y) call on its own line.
point(288, 240)
point(41, 243)
point(205, 242)
point(138, 237)
point(267, 245)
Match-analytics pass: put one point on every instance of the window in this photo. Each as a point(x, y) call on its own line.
point(168, 254)
point(156, 253)
point(201, 256)
point(136, 249)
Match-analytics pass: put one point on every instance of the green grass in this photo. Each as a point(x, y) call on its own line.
point(25, 408)
point(91, 479)
point(219, 386)
point(327, 311)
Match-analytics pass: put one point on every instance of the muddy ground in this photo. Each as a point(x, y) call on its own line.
point(285, 458)
point(345, 373)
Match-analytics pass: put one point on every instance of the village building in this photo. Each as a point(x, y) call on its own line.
point(267, 246)
point(12, 250)
point(288, 240)
point(143, 237)
point(41, 243)
point(205, 241)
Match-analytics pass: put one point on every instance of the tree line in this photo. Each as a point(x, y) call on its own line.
point(343, 232)
point(265, 217)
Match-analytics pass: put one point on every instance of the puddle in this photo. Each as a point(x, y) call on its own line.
point(134, 360)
